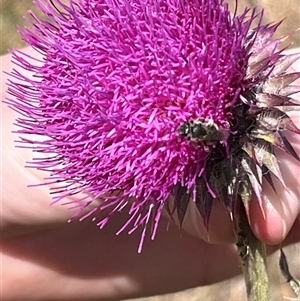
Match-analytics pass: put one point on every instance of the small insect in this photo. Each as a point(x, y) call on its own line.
point(203, 130)
point(243, 246)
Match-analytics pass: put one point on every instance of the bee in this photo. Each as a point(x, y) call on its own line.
point(203, 130)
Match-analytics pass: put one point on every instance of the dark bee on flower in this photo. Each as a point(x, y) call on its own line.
point(203, 130)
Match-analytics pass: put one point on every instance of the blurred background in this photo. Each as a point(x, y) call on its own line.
point(12, 12)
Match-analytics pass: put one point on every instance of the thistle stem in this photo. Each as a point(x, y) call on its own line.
point(253, 257)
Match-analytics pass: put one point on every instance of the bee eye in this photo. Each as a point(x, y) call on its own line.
point(184, 129)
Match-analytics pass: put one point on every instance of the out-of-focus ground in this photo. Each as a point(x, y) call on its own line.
point(12, 12)
point(11, 15)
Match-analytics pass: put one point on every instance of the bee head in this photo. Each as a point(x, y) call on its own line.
point(192, 130)
point(184, 129)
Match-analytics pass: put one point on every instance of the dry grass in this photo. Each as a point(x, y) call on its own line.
point(12, 12)
point(11, 15)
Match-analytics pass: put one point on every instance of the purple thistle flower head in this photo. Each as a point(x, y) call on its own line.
point(142, 101)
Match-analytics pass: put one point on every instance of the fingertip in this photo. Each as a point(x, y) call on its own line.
point(266, 222)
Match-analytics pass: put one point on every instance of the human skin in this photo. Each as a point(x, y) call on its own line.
point(44, 258)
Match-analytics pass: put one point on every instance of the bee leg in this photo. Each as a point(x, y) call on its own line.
point(201, 120)
point(210, 122)
point(206, 148)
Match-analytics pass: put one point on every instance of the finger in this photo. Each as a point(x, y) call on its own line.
point(24, 209)
point(282, 207)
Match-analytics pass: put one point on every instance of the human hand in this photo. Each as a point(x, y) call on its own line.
point(44, 258)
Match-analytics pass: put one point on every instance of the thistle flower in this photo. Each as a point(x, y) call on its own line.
point(139, 102)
